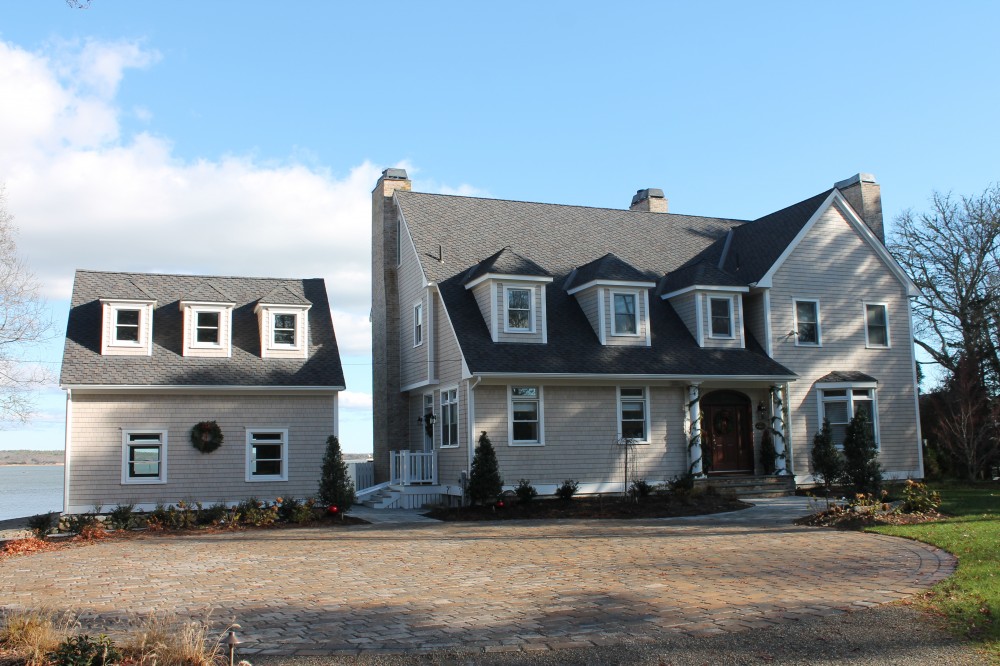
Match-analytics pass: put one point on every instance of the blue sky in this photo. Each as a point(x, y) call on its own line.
point(245, 137)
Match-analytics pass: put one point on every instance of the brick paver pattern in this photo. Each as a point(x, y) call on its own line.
point(514, 586)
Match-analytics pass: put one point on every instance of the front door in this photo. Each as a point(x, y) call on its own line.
point(727, 430)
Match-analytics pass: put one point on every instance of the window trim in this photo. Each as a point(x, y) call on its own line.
point(144, 480)
point(732, 318)
point(195, 311)
point(458, 419)
point(645, 411)
point(888, 337)
point(258, 478)
point(418, 328)
point(115, 311)
point(506, 309)
point(540, 400)
point(850, 387)
point(795, 320)
point(274, 344)
point(614, 319)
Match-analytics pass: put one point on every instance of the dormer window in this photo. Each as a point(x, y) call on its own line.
point(722, 317)
point(284, 329)
point(207, 329)
point(520, 310)
point(626, 320)
point(127, 328)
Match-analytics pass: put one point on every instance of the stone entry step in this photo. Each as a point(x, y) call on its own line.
point(753, 486)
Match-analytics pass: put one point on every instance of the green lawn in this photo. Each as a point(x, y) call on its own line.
point(969, 600)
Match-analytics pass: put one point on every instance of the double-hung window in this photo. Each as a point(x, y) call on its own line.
point(626, 320)
point(449, 418)
point(520, 309)
point(144, 456)
point(284, 329)
point(525, 415)
point(632, 414)
point(207, 328)
point(267, 454)
point(876, 325)
point(127, 326)
point(721, 311)
point(418, 324)
point(807, 328)
point(840, 405)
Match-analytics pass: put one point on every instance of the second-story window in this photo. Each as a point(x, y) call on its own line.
point(418, 324)
point(284, 329)
point(876, 325)
point(626, 317)
point(807, 323)
point(519, 309)
point(722, 317)
point(449, 418)
point(127, 326)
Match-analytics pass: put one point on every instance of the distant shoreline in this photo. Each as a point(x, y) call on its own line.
point(39, 464)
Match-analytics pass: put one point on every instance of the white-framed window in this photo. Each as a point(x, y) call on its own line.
point(127, 326)
point(720, 311)
point(519, 309)
point(807, 327)
point(284, 332)
point(207, 328)
point(840, 404)
point(625, 306)
point(633, 414)
point(267, 454)
point(526, 425)
point(418, 324)
point(876, 325)
point(449, 418)
point(144, 456)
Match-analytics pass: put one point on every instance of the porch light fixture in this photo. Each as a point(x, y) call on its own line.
point(761, 410)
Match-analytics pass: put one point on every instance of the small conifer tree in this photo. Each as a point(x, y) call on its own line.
point(827, 460)
point(485, 482)
point(335, 487)
point(861, 467)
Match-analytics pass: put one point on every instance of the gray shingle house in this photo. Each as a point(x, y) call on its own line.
point(563, 331)
point(148, 357)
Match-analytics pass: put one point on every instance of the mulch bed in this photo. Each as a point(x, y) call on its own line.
point(594, 507)
point(845, 519)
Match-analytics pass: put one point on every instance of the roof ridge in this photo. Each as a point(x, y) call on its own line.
point(193, 275)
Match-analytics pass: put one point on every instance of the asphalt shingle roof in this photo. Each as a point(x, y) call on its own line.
point(608, 267)
point(845, 376)
point(560, 239)
point(83, 363)
point(701, 273)
point(506, 262)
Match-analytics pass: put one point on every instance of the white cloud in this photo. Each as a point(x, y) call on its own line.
point(355, 400)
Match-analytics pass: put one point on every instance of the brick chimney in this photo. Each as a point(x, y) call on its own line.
point(865, 196)
point(390, 409)
point(649, 200)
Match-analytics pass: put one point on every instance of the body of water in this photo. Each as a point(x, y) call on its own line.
point(26, 490)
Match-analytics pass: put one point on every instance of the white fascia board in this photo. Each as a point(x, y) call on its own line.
point(705, 287)
point(725, 249)
point(136, 301)
point(404, 226)
point(611, 283)
point(421, 384)
point(529, 377)
point(503, 277)
point(196, 388)
point(214, 304)
point(846, 385)
point(465, 367)
point(836, 198)
point(282, 306)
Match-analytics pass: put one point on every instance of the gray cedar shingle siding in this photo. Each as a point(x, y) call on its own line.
point(83, 363)
point(559, 239)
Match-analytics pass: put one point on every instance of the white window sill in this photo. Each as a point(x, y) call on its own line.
point(527, 444)
point(260, 479)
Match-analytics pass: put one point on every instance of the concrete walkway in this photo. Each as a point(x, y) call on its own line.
point(525, 585)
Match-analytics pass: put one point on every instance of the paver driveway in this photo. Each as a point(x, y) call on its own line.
point(526, 585)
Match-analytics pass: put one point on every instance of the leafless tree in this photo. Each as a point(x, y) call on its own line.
point(24, 324)
point(953, 255)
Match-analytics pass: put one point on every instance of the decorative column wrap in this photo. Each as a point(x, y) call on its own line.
point(778, 429)
point(694, 431)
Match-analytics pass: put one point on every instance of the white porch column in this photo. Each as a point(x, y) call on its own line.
point(694, 431)
point(779, 429)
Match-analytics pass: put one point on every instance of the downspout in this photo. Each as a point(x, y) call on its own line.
point(470, 409)
point(66, 453)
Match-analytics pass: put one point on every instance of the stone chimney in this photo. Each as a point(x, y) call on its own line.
point(390, 409)
point(649, 200)
point(865, 196)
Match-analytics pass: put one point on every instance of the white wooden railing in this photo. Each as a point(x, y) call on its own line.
point(409, 467)
point(362, 473)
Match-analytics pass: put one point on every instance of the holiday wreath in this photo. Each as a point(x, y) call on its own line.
point(206, 436)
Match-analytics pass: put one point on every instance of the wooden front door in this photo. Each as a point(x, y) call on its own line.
point(727, 428)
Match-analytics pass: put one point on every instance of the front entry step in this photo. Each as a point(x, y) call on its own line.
point(753, 486)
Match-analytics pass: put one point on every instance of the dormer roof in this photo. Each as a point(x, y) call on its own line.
point(206, 292)
point(505, 262)
point(699, 274)
point(284, 294)
point(125, 289)
point(608, 269)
